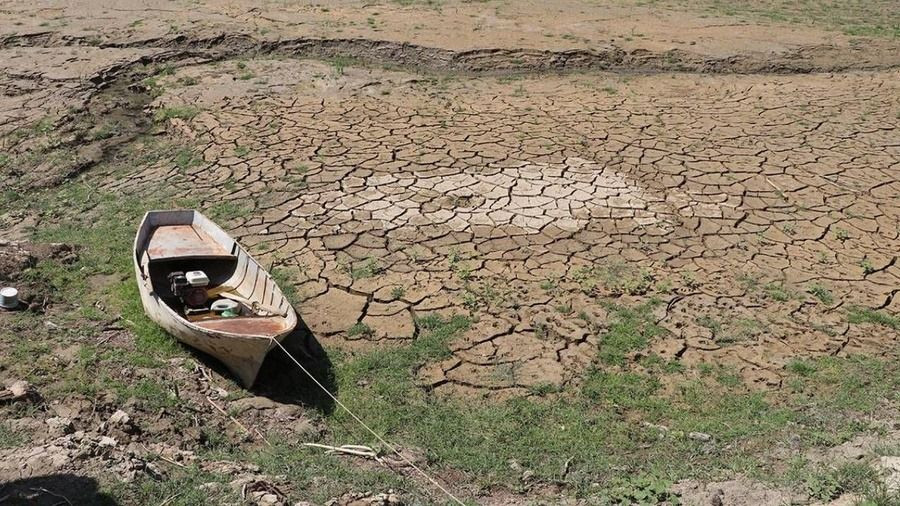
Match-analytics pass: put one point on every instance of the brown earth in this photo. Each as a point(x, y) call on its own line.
point(477, 193)
point(446, 175)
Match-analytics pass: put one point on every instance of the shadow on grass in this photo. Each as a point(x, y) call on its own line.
point(279, 377)
point(54, 489)
point(281, 380)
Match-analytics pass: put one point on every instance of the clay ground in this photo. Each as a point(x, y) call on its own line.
point(587, 253)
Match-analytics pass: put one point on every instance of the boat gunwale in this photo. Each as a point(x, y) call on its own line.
point(291, 318)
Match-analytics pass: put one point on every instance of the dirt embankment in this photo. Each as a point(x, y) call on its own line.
point(815, 58)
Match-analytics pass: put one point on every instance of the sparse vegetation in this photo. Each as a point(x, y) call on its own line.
point(398, 292)
point(175, 112)
point(864, 315)
point(339, 64)
point(581, 366)
point(823, 294)
point(367, 269)
point(875, 18)
point(186, 158)
point(617, 278)
point(359, 329)
point(778, 292)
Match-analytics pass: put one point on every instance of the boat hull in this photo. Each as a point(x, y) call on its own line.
point(243, 356)
point(241, 344)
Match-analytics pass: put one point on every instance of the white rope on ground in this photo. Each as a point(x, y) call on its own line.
point(379, 438)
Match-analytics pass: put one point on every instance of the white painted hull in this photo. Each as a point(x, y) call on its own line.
point(242, 353)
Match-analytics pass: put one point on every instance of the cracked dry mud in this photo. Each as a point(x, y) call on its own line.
point(532, 202)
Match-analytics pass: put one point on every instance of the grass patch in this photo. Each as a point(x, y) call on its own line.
point(182, 487)
point(829, 483)
point(368, 269)
point(359, 329)
point(871, 18)
point(339, 63)
point(186, 158)
point(284, 278)
point(864, 315)
point(10, 438)
point(778, 292)
point(227, 210)
point(823, 294)
point(184, 112)
point(617, 278)
point(630, 329)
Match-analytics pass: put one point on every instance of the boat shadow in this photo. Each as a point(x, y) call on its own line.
point(54, 489)
point(281, 380)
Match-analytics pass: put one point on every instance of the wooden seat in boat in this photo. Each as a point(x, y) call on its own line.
point(169, 242)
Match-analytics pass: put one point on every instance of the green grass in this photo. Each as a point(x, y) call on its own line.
point(227, 210)
point(10, 438)
point(339, 63)
point(870, 18)
point(865, 315)
point(359, 329)
point(186, 158)
point(630, 329)
point(285, 280)
point(152, 394)
point(184, 112)
point(367, 269)
point(778, 292)
point(596, 425)
point(180, 488)
point(102, 225)
point(105, 131)
point(823, 294)
point(617, 278)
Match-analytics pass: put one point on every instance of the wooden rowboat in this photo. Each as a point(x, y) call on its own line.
point(170, 243)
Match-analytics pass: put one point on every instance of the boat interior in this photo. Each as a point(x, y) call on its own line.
point(256, 305)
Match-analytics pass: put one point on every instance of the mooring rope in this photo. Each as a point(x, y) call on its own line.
point(359, 420)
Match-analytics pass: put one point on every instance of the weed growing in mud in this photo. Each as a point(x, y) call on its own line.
point(630, 329)
point(286, 281)
point(823, 294)
point(340, 63)
point(617, 278)
point(359, 329)
point(10, 438)
point(182, 488)
point(778, 292)
point(184, 112)
point(826, 484)
point(643, 489)
point(105, 131)
point(867, 266)
point(226, 211)
point(864, 315)
point(398, 292)
point(368, 269)
point(187, 158)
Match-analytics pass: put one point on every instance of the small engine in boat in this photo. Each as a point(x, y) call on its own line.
point(190, 287)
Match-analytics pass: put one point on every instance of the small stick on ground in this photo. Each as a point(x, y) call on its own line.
point(236, 422)
point(54, 494)
point(169, 499)
point(358, 450)
point(170, 461)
